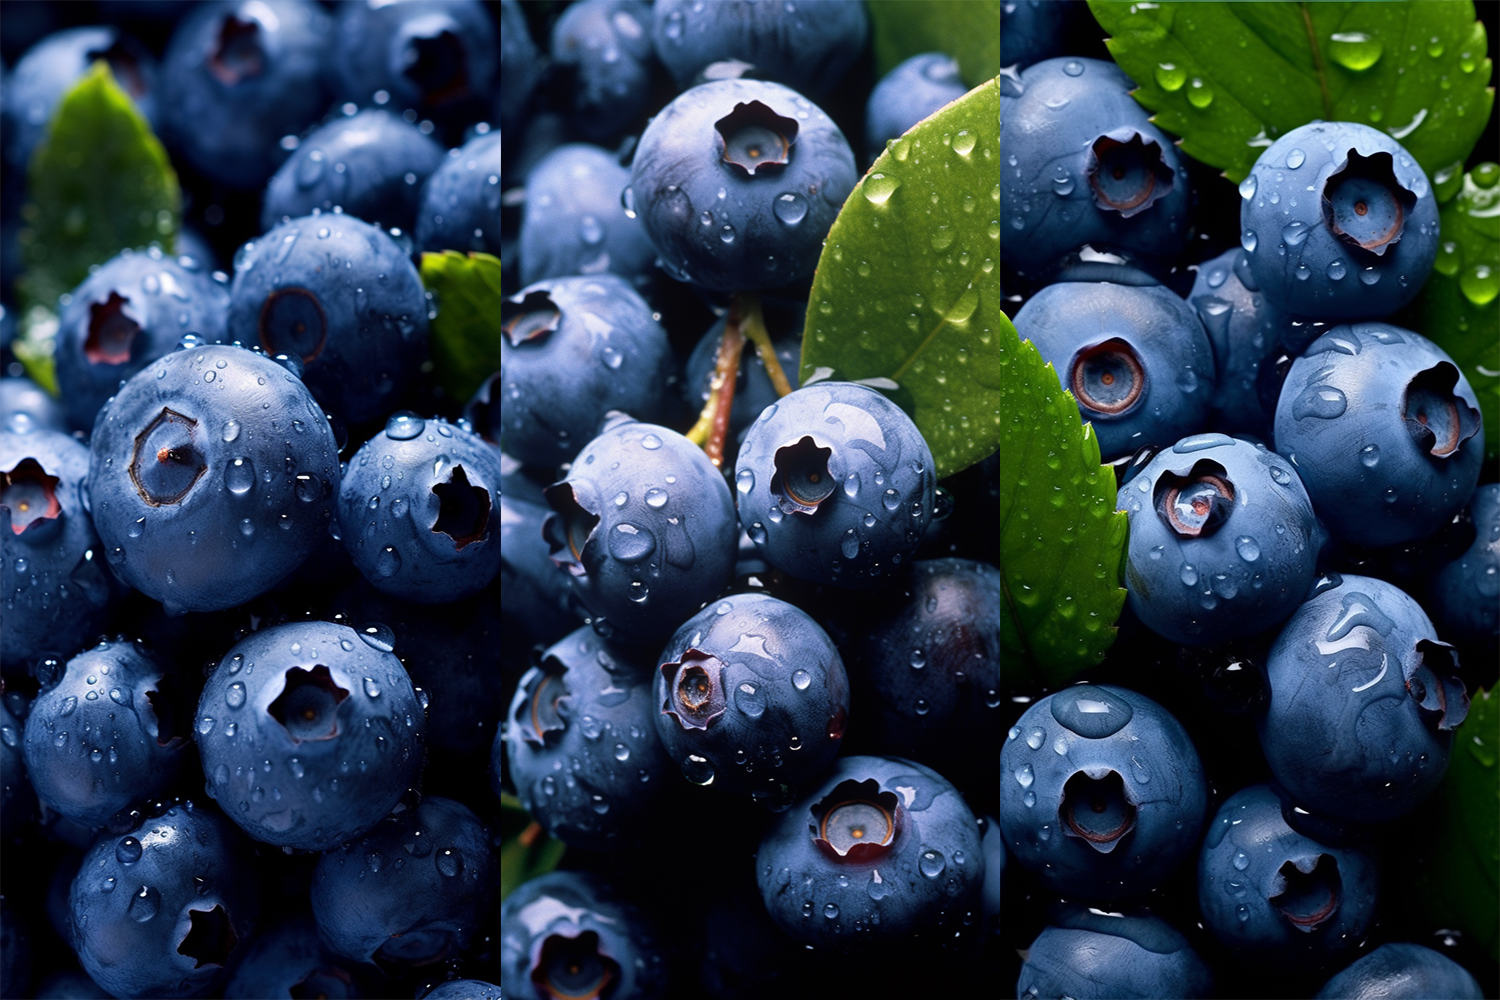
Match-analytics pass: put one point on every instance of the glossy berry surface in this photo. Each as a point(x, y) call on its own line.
point(437, 56)
point(1338, 222)
point(460, 204)
point(606, 45)
point(309, 732)
point(289, 959)
point(1402, 971)
point(1090, 953)
point(914, 89)
point(835, 484)
point(573, 223)
point(1467, 605)
point(1244, 331)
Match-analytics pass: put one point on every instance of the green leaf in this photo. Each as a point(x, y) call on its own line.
point(466, 333)
point(525, 850)
point(1457, 306)
point(1062, 542)
point(968, 30)
point(907, 290)
point(1229, 78)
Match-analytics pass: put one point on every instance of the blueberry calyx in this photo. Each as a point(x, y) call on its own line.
point(1364, 204)
point(858, 822)
point(307, 707)
point(1198, 504)
point(1127, 172)
point(539, 714)
point(569, 527)
point(573, 967)
point(1097, 807)
point(167, 463)
point(1306, 891)
point(756, 138)
point(1438, 419)
point(210, 938)
point(292, 322)
point(112, 332)
point(1108, 378)
point(172, 712)
point(1442, 700)
point(802, 480)
point(437, 63)
point(463, 509)
point(238, 55)
point(30, 495)
point(530, 318)
point(695, 689)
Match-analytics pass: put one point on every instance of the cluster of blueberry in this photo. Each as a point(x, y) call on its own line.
point(313, 661)
point(1227, 806)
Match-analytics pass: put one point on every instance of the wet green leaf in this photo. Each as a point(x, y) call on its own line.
point(1062, 542)
point(1457, 307)
point(1229, 78)
point(526, 850)
point(907, 290)
point(466, 333)
point(968, 30)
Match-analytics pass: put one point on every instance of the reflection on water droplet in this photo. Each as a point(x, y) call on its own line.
point(1295, 159)
point(1369, 456)
point(878, 188)
point(1354, 50)
point(790, 208)
point(1170, 77)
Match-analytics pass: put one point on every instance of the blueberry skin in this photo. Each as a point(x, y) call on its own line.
point(751, 696)
point(781, 193)
point(607, 45)
point(125, 315)
point(583, 751)
point(246, 490)
point(1312, 250)
point(460, 204)
point(289, 960)
point(914, 89)
point(411, 891)
point(415, 510)
point(520, 65)
point(1244, 331)
point(17, 800)
point(309, 782)
point(161, 910)
point(1401, 972)
point(1136, 358)
point(574, 349)
point(1364, 698)
point(1466, 592)
point(1266, 890)
point(1093, 955)
point(103, 736)
point(239, 76)
point(464, 989)
point(1240, 570)
point(533, 593)
point(644, 529)
point(25, 404)
point(808, 49)
point(58, 594)
point(573, 223)
point(1032, 30)
point(436, 56)
point(865, 477)
point(916, 883)
point(1099, 744)
point(371, 164)
point(1068, 124)
point(1385, 431)
point(322, 298)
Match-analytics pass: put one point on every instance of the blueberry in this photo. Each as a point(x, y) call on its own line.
point(606, 44)
point(1136, 359)
point(211, 477)
point(583, 751)
point(17, 799)
point(1364, 698)
point(58, 592)
point(1089, 953)
point(882, 852)
point(460, 204)
point(290, 960)
point(161, 910)
point(435, 56)
point(1032, 30)
point(25, 404)
point(1466, 591)
point(343, 297)
point(1245, 331)
point(520, 65)
point(110, 731)
point(464, 989)
point(130, 311)
point(238, 77)
point(1101, 792)
point(415, 509)
point(808, 47)
point(1385, 431)
point(753, 390)
point(643, 526)
point(573, 349)
point(310, 732)
point(751, 696)
point(533, 594)
point(1267, 891)
point(915, 88)
point(1084, 165)
point(781, 164)
point(1402, 972)
point(1223, 540)
point(371, 164)
point(1339, 222)
point(573, 222)
point(835, 484)
point(409, 892)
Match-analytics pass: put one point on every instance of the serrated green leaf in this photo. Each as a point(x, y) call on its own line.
point(1061, 540)
point(907, 289)
point(1457, 306)
point(100, 183)
point(525, 852)
point(466, 333)
point(1229, 78)
point(968, 30)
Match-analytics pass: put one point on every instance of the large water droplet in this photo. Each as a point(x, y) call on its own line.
point(878, 188)
point(1354, 50)
point(145, 904)
point(1170, 77)
point(790, 208)
point(128, 851)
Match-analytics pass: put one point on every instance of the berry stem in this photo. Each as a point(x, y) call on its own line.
point(754, 326)
point(713, 423)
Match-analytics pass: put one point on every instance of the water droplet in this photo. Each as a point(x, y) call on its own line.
point(1336, 270)
point(1170, 77)
point(378, 636)
point(1480, 284)
point(128, 851)
point(790, 208)
point(1024, 776)
point(1322, 401)
point(931, 864)
point(1036, 738)
point(1247, 187)
point(1248, 240)
point(404, 425)
point(371, 688)
point(697, 770)
point(449, 862)
point(145, 904)
point(801, 679)
point(234, 697)
point(239, 476)
point(878, 188)
point(1073, 67)
point(651, 442)
point(1354, 50)
point(1295, 159)
point(1241, 861)
point(388, 562)
point(1248, 548)
point(1199, 95)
